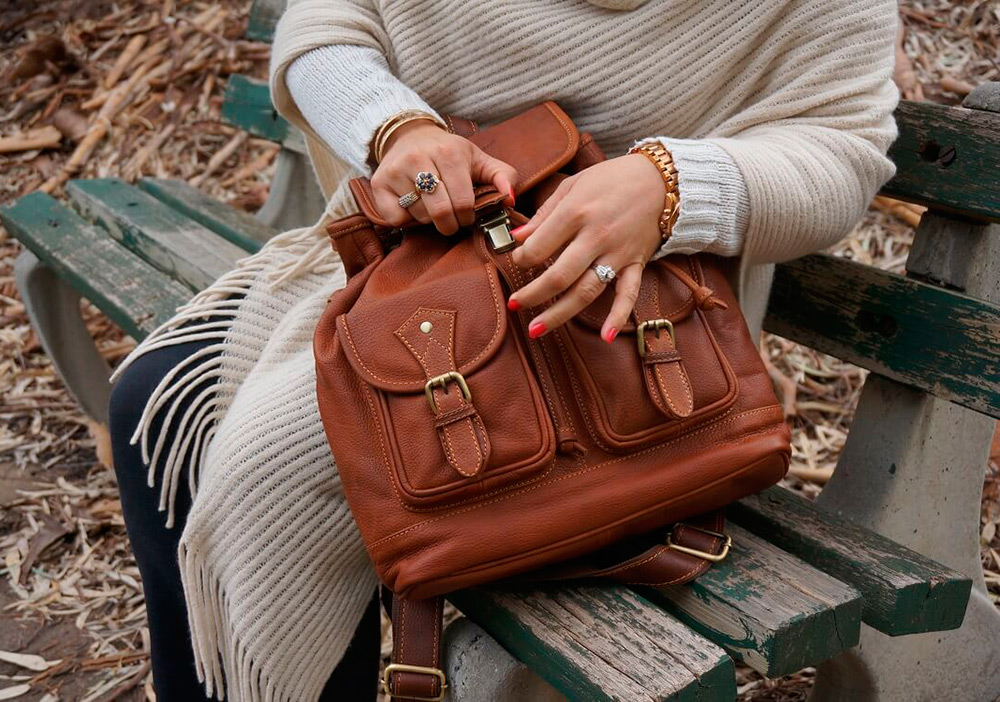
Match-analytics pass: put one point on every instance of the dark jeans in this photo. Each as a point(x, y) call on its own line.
point(155, 548)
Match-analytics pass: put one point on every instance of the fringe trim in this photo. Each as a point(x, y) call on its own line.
point(209, 317)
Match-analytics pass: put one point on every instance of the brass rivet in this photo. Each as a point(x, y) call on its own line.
point(426, 327)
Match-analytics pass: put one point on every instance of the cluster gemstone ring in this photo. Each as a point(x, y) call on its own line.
point(426, 182)
point(605, 274)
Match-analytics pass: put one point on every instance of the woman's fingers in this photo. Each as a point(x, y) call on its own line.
point(626, 293)
point(572, 263)
point(486, 169)
point(560, 224)
point(522, 233)
point(584, 291)
point(438, 204)
point(387, 188)
point(459, 187)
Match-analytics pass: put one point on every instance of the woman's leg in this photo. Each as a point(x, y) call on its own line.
point(155, 549)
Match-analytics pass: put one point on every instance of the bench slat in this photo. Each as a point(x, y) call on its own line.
point(967, 182)
point(933, 339)
point(136, 296)
point(601, 643)
point(175, 244)
point(904, 592)
point(240, 228)
point(264, 16)
point(767, 608)
point(247, 104)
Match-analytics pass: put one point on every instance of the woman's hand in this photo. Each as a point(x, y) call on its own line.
point(456, 161)
point(607, 214)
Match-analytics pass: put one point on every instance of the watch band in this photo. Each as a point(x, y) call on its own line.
point(664, 162)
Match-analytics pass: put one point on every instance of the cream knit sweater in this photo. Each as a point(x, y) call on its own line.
point(796, 93)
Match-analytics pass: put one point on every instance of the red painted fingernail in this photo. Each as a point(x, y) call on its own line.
point(511, 195)
point(513, 305)
point(537, 329)
point(515, 230)
point(610, 336)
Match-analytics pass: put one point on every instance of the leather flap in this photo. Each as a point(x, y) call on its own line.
point(537, 143)
point(377, 329)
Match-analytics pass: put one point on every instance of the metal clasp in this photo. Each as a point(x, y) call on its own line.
point(727, 541)
point(656, 325)
point(441, 381)
point(401, 668)
point(496, 225)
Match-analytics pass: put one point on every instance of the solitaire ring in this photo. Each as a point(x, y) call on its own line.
point(426, 182)
point(409, 200)
point(605, 274)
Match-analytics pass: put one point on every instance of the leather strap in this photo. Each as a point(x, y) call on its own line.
point(416, 632)
point(417, 624)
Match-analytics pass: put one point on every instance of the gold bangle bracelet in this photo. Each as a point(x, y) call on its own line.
point(664, 162)
point(388, 127)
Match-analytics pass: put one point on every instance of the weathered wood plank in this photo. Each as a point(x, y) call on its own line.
point(933, 339)
point(233, 225)
point(264, 16)
point(947, 158)
point(247, 104)
point(175, 244)
point(767, 608)
point(904, 592)
point(601, 643)
point(136, 296)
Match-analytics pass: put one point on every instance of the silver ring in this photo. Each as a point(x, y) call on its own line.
point(426, 182)
point(605, 274)
point(409, 200)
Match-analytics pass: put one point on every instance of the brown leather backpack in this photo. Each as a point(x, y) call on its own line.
point(470, 453)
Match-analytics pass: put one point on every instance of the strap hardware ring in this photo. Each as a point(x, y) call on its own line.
point(727, 541)
point(441, 381)
point(422, 670)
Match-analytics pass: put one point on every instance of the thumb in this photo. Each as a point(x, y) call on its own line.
point(486, 169)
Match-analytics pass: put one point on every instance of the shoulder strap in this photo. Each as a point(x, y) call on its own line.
point(687, 551)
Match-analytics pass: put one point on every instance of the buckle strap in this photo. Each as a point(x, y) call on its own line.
point(415, 674)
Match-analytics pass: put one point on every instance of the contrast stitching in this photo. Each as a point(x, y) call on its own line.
point(538, 484)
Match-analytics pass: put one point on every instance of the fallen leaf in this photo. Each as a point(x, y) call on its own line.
point(27, 660)
point(9, 693)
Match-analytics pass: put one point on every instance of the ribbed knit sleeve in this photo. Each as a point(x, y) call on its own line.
point(715, 205)
point(307, 25)
point(345, 93)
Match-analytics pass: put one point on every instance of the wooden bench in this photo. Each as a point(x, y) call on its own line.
point(804, 585)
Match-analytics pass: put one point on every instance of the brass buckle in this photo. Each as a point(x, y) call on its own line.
point(656, 325)
point(441, 381)
point(401, 668)
point(727, 541)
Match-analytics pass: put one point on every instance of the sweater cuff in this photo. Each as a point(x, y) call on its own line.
point(715, 206)
point(346, 93)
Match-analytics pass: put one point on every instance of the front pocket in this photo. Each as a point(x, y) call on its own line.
point(629, 400)
point(455, 395)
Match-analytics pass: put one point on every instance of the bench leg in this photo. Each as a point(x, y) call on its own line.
point(478, 669)
point(913, 470)
point(295, 199)
point(54, 310)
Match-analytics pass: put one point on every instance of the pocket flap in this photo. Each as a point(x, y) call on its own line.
point(460, 291)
